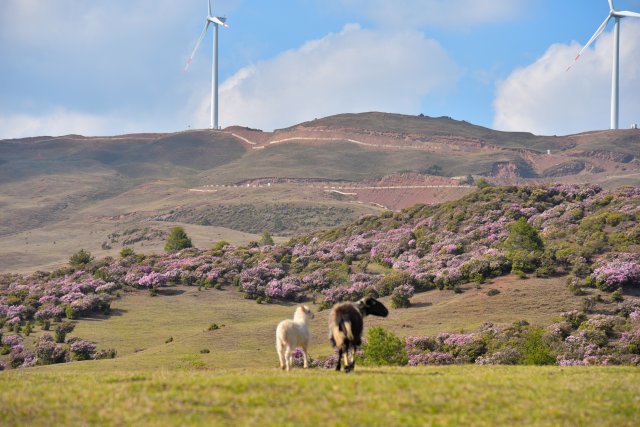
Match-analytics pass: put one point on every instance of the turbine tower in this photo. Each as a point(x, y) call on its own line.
point(216, 21)
point(615, 87)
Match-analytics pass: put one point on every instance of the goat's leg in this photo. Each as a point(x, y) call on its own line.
point(347, 365)
point(352, 364)
point(339, 360)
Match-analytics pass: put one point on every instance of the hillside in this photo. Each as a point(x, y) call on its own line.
point(240, 181)
point(562, 258)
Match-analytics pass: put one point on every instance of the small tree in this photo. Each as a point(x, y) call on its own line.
point(266, 239)
point(177, 240)
point(384, 348)
point(80, 258)
point(523, 236)
point(524, 246)
point(126, 251)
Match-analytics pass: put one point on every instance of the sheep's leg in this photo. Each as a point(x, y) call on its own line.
point(280, 354)
point(305, 357)
point(288, 358)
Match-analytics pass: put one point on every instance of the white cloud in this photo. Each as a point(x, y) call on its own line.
point(545, 99)
point(351, 71)
point(61, 121)
point(452, 14)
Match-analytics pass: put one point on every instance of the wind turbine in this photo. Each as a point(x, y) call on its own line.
point(617, 15)
point(216, 21)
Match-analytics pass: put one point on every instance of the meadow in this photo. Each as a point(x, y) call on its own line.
point(450, 395)
point(504, 276)
point(237, 382)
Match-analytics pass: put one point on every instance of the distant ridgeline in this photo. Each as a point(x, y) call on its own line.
point(590, 235)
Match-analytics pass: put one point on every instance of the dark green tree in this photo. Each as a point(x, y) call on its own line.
point(266, 239)
point(177, 240)
point(523, 236)
point(80, 258)
point(524, 247)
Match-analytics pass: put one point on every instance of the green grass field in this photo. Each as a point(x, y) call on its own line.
point(155, 382)
point(453, 395)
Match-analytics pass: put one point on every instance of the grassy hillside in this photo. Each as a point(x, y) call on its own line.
point(439, 126)
point(350, 162)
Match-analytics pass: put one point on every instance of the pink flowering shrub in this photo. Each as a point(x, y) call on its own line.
point(616, 274)
point(431, 358)
point(287, 288)
point(82, 350)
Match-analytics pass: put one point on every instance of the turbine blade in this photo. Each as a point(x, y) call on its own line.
point(611, 5)
point(591, 40)
point(204, 31)
point(217, 20)
point(210, 7)
point(627, 13)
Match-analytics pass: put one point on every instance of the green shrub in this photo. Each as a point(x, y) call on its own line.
point(62, 330)
point(384, 348)
point(575, 286)
point(401, 296)
point(616, 296)
point(535, 350)
point(492, 292)
point(71, 312)
point(109, 353)
point(266, 239)
point(177, 240)
point(80, 258)
point(482, 183)
point(127, 251)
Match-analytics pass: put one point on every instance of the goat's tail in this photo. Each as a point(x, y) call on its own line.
point(341, 332)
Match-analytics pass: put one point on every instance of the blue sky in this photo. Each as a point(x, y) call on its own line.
point(107, 67)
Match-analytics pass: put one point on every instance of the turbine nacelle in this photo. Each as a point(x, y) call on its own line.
point(218, 20)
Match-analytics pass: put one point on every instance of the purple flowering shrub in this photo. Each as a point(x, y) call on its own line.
point(81, 349)
point(48, 352)
point(401, 296)
point(287, 289)
point(616, 274)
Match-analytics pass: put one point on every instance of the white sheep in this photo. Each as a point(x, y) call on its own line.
point(292, 334)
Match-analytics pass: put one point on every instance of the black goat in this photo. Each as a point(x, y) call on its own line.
point(346, 322)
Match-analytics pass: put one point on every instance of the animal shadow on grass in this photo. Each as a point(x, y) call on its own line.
point(421, 304)
point(169, 292)
point(101, 316)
